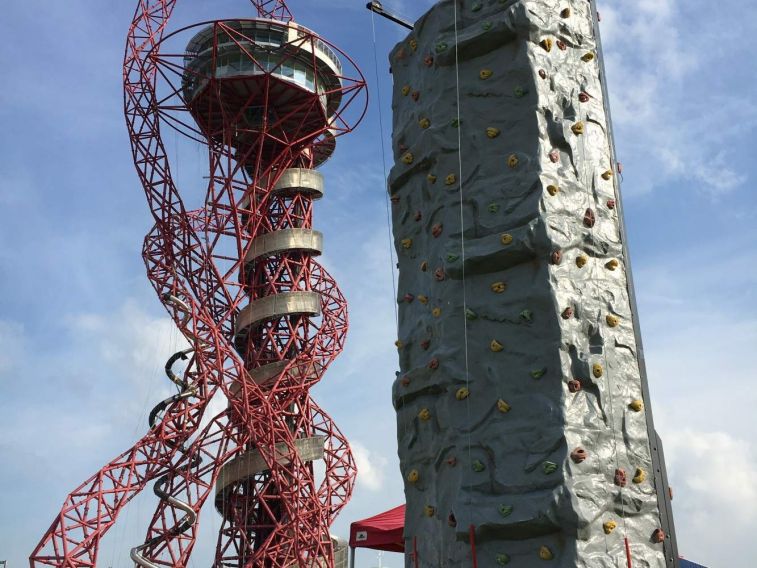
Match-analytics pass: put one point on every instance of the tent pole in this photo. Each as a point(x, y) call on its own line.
point(352, 557)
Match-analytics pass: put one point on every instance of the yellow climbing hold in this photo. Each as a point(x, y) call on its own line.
point(496, 346)
point(578, 128)
point(607, 175)
point(423, 299)
point(506, 239)
point(553, 190)
point(424, 414)
point(581, 260)
point(612, 320)
point(413, 476)
point(565, 13)
point(431, 178)
point(513, 161)
point(406, 243)
point(485, 74)
point(546, 44)
point(589, 56)
point(462, 393)
point(597, 370)
point(640, 476)
point(609, 526)
point(612, 265)
point(545, 553)
point(408, 158)
point(405, 90)
point(492, 132)
point(499, 287)
point(424, 123)
point(451, 179)
point(399, 344)
point(436, 312)
point(503, 407)
point(429, 511)
point(636, 405)
point(414, 44)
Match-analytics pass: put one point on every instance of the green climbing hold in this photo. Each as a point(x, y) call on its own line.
point(527, 315)
point(452, 257)
point(503, 559)
point(470, 315)
point(505, 510)
point(478, 466)
point(493, 207)
point(441, 46)
point(549, 467)
point(486, 26)
point(477, 6)
point(538, 373)
point(455, 123)
point(520, 92)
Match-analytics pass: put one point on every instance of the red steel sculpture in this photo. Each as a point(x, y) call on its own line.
point(268, 98)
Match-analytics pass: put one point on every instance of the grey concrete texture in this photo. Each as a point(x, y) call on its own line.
point(487, 419)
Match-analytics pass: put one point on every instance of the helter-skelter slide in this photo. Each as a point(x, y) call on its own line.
point(264, 320)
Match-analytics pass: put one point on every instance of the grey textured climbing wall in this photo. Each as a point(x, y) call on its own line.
point(540, 441)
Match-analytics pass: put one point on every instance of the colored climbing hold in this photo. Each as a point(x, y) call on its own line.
point(546, 44)
point(549, 467)
point(493, 207)
point(455, 122)
point(640, 476)
point(503, 559)
point(431, 178)
point(611, 204)
point(658, 536)
point(406, 243)
point(597, 370)
point(405, 90)
point(395, 199)
point(554, 156)
point(441, 46)
point(556, 257)
point(425, 344)
point(620, 479)
point(492, 132)
point(609, 526)
point(503, 407)
point(429, 511)
point(538, 373)
point(561, 45)
point(418, 216)
point(612, 320)
point(579, 455)
point(542, 73)
point(428, 61)
point(565, 13)
point(452, 461)
point(439, 275)
point(470, 315)
point(485, 74)
point(581, 260)
point(462, 393)
point(527, 316)
point(589, 218)
point(423, 299)
point(636, 405)
point(433, 364)
point(413, 476)
point(408, 298)
point(408, 158)
point(506, 239)
point(589, 56)
point(513, 161)
point(567, 313)
point(437, 229)
point(574, 386)
point(415, 95)
point(607, 175)
point(496, 346)
point(451, 179)
point(414, 44)
point(452, 257)
point(486, 26)
point(553, 190)
point(478, 466)
point(424, 414)
point(505, 510)
point(520, 92)
point(476, 7)
point(612, 265)
point(578, 128)
point(545, 553)
point(424, 123)
point(398, 344)
point(583, 97)
point(498, 287)
point(436, 312)
point(451, 520)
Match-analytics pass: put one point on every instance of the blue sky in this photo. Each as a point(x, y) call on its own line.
point(83, 337)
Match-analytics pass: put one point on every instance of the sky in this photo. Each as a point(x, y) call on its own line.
point(83, 338)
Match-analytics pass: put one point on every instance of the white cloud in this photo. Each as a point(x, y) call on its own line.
point(370, 465)
point(12, 346)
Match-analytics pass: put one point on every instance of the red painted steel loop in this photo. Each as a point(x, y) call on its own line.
point(268, 99)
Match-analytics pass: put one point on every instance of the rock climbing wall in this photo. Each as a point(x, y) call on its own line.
point(520, 404)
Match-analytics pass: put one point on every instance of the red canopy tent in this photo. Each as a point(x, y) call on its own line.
point(380, 532)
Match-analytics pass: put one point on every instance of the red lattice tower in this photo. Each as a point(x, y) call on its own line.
point(268, 98)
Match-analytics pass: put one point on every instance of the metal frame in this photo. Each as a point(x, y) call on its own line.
point(280, 516)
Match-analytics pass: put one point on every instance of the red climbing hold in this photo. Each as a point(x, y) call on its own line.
point(589, 218)
point(574, 386)
point(621, 479)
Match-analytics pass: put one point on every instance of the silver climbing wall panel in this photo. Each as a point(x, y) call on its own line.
point(523, 414)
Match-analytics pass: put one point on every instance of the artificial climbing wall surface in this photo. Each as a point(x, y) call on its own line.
point(519, 402)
